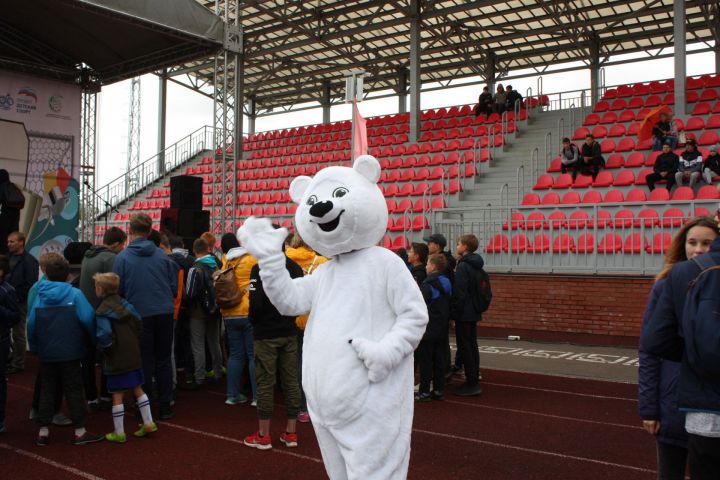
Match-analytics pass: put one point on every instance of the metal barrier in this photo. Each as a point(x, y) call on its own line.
point(151, 170)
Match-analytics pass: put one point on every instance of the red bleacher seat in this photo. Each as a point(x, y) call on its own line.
point(660, 243)
point(582, 181)
point(601, 106)
point(694, 83)
point(624, 218)
point(702, 212)
point(437, 203)
point(608, 117)
point(626, 116)
point(518, 243)
point(541, 244)
point(614, 196)
point(607, 145)
point(604, 219)
point(604, 179)
point(517, 221)
point(695, 123)
point(625, 145)
point(600, 131)
point(531, 199)
point(400, 242)
point(557, 220)
point(592, 119)
point(708, 95)
point(551, 198)
point(624, 178)
point(692, 97)
point(636, 195)
point(648, 218)
point(614, 161)
point(563, 243)
point(610, 243)
point(659, 195)
point(420, 222)
point(634, 103)
point(618, 104)
point(635, 243)
point(641, 180)
point(653, 101)
point(673, 217)
point(701, 108)
point(716, 107)
point(617, 130)
point(571, 198)
point(498, 244)
point(579, 219)
point(683, 193)
point(581, 133)
point(585, 243)
point(535, 221)
point(708, 192)
point(709, 137)
point(669, 99)
point(592, 197)
point(563, 181)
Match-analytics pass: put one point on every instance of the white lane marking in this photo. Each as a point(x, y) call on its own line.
point(545, 415)
point(53, 463)
point(539, 452)
point(238, 441)
point(591, 395)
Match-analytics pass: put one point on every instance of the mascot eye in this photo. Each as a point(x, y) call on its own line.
point(312, 200)
point(340, 192)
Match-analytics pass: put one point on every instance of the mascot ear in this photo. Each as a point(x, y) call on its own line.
point(368, 167)
point(298, 187)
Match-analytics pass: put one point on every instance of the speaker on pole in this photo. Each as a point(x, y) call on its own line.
point(186, 192)
point(184, 223)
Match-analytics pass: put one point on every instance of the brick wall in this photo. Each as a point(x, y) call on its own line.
point(581, 308)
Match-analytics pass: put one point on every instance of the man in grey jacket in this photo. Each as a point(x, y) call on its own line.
point(98, 259)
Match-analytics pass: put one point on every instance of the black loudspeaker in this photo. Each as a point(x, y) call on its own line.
point(186, 192)
point(184, 223)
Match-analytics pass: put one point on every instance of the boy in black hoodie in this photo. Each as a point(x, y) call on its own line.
point(9, 316)
point(275, 345)
point(431, 353)
point(466, 314)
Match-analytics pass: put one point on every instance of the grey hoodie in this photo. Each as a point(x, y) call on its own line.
point(97, 259)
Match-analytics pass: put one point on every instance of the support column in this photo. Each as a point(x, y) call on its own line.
point(162, 119)
point(325, 101)
point(238, 106)
point(252, 115)
point(594, 69)
point(402, 89)
point(414, 70)
point(490, 70)
point(680, 52)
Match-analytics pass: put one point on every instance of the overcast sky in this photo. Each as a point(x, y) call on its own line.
point(187, 110)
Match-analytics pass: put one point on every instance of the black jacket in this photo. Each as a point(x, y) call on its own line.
point(662, 336)
point(24, 270)
point(9, 309)
point(266, 320)
point(419, 273)
point(512, 97)
point(713, 163)
point(461, 305)
point(450, 270)
point(437, 291)
point(593, 151)
point(666, 162)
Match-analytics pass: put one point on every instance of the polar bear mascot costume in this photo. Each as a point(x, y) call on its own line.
point(367, 315)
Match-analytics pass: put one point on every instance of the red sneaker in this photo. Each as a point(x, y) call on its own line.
point(289, 439)
point(261, 443)
point(303, 417)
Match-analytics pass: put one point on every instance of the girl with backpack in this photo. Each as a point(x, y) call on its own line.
point(657, 378)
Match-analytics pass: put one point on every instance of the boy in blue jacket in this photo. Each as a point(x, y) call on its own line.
point(60, 324)
point(9, 316)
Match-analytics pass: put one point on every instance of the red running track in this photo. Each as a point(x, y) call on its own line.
point(525, 426)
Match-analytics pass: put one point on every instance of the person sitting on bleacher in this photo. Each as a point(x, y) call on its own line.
point(500, 99)
point(512, 96)
point(592, 159)
point(666, 165)
point(663, 132)
point(485, 103)
point(569, 156)
point(691, 164)
point(711, 167)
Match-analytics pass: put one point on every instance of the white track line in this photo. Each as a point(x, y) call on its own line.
point(545, 415)
point(52, 463)
point(235, 440)
point(532, 450)
point(559, 391)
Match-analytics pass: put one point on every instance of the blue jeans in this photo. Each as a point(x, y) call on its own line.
point(658, 142)
point(4, 350)
point(240, 344)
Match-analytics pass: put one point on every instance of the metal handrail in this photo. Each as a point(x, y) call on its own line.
point(548, 146)
point(534, 160)
point(518, 179)
point(154, 168)
point(561, 128)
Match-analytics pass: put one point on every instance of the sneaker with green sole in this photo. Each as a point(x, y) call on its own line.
point(116, 437)
point(146, 430)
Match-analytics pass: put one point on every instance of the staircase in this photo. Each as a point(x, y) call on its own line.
point(484, 199)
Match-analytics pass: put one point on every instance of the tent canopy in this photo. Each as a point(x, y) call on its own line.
point(117, 39)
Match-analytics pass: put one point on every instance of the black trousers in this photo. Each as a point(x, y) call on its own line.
point(432, 360)
point(704, 457)
point(90, 376)
point(38, 389)
point(466, 337)
point(655, 177)
point(672, 461)
point(70, 376)
point(4, 350)
point(156, 348)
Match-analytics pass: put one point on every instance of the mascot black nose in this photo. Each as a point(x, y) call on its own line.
point(321, 208)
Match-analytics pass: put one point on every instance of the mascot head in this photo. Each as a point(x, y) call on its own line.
point(341, 209)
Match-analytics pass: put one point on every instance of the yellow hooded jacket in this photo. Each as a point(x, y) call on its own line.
point(308, 261)
point(241, 262)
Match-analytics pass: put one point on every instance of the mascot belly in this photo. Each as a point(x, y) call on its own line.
point(367, 316)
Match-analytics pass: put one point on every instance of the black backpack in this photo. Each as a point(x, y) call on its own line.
point(482, 293)
point(202, 290)
point(13, 196)
point(699, 324)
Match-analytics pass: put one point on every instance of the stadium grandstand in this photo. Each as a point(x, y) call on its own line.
point(571, 258)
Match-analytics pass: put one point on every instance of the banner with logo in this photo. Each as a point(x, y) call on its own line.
point(50, 113)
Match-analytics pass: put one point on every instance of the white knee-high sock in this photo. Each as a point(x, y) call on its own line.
point(144, 405)
point(118, 413)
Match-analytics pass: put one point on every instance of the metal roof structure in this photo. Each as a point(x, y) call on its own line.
point(296, 51)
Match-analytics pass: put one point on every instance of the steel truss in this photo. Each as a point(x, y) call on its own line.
point(88, 206)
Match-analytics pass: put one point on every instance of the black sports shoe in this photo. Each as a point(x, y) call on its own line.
point(42, 441)
point(166, 412)
point(422, 397)
point(469, 390)
point(88, 437)
point(437, 395)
